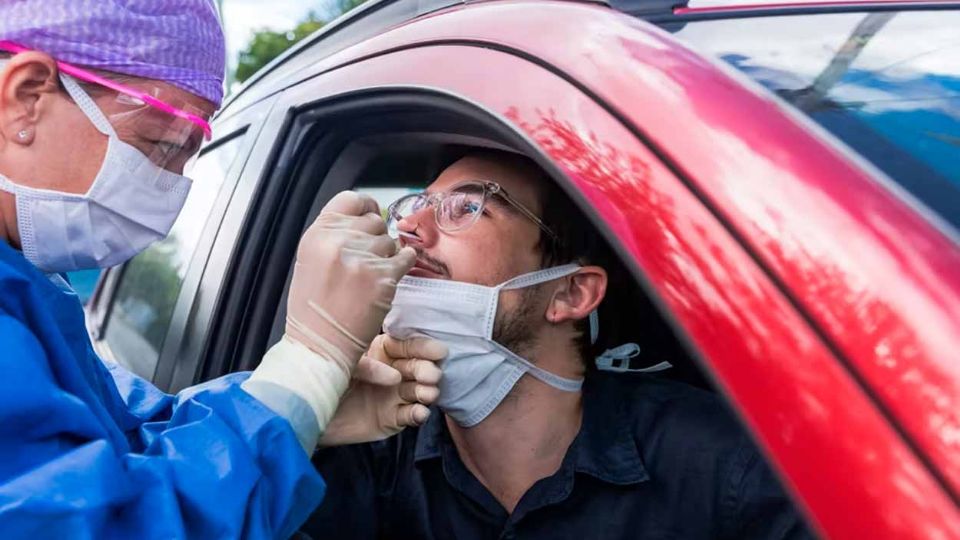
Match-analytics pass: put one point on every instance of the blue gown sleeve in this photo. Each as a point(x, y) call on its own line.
point(210, 463)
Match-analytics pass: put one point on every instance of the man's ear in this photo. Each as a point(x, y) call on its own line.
point(25, 79)
point(578, 295)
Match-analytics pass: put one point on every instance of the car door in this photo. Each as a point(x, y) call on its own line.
point(601, 114)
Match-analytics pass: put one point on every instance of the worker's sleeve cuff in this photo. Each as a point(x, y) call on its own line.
point(293, 367)
point(290, 406)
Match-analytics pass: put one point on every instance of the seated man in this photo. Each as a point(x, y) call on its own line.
point(516, 447)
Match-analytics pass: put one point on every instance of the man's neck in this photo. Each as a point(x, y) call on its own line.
point(522, 441)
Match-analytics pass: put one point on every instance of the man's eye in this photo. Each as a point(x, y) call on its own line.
point(465, 207)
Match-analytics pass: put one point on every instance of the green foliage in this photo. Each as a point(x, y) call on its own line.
point(267, 44)
point(344, 6)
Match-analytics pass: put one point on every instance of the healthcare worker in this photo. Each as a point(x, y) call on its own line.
point(102, 103)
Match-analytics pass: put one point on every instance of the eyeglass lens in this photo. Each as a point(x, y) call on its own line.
point(455, 210)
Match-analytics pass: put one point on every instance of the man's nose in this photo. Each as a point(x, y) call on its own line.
point(417, 229)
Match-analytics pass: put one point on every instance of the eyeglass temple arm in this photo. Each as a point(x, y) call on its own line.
point(525, 211)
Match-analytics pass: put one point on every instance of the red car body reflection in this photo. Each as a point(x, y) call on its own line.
point(825, 307)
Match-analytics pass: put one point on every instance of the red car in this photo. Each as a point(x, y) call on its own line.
point(782, 179)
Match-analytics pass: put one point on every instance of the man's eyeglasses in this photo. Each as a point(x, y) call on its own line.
point(457, 209)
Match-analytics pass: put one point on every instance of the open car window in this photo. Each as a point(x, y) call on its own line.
point(388, 144)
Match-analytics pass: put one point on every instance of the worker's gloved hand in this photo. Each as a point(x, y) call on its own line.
point(392, 386)
point(344, 280)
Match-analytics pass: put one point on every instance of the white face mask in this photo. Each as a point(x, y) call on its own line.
point(131, 204)
point(479, 372)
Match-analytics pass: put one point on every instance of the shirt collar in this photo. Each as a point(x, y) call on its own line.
point(606, 447)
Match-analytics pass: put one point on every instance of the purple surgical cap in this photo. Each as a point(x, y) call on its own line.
point(176, 41)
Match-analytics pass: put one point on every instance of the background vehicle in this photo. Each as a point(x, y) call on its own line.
point(782, 180)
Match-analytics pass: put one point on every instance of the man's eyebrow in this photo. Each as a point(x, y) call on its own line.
point(495, 199)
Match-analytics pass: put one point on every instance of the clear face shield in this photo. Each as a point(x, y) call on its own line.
point(169, 142)
point(163, 127)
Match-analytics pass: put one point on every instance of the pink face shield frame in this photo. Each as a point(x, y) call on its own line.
point(88, 76)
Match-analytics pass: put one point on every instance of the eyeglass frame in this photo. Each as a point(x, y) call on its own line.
point(490, 188)
point(144, 97)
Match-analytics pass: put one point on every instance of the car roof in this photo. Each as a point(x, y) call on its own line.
point(376, 16)
point(367, 20)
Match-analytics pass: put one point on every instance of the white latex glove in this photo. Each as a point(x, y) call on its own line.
point(392, 386)
point(344, 280)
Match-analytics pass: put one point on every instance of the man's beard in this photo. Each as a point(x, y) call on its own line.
point(514, 329)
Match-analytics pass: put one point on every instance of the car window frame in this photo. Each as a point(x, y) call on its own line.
point(104, 298)
point(183, 357)
point(293, 107)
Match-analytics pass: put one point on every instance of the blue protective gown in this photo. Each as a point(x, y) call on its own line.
point(88, 451)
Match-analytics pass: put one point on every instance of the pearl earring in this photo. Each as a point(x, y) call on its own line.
point(22, 134)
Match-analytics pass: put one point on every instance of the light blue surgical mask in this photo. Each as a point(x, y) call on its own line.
point(478, 372)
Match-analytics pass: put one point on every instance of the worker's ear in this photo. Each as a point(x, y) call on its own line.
point(577, 295)
point(25, 80)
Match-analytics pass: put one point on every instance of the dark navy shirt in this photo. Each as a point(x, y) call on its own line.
point(654, 459)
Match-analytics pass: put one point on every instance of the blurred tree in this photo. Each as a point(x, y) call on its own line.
point(267, 44)
point(344, 6)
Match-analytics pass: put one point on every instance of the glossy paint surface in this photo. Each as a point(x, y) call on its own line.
point(778, 232)
point(886, 83)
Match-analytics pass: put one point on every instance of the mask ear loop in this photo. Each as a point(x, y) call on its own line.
point(550, 274)
point(594, 327)
point(529, 280)
point(617, 360)
point(88, 106)
point(538, 276)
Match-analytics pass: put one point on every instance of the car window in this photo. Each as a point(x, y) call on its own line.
point(150, 284)
point(886, 83)
point(84, 282)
